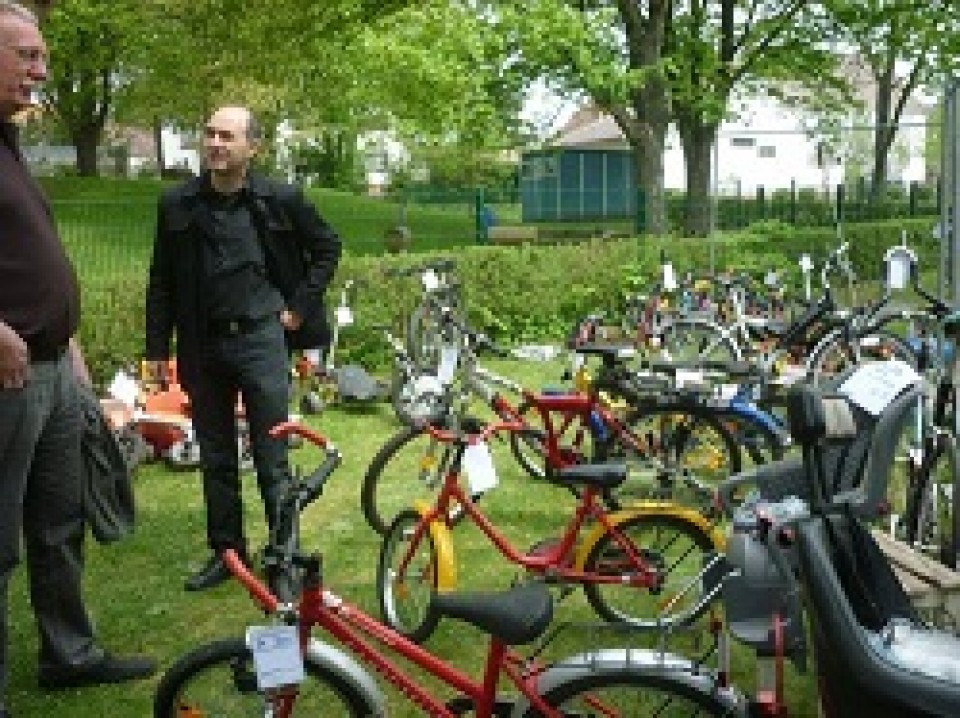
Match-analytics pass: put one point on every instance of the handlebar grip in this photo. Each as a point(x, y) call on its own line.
point(311, 487)
point(287, 428)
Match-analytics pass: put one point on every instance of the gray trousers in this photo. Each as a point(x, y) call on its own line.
point(41, 496)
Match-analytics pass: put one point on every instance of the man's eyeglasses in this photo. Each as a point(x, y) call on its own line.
point(30, 55)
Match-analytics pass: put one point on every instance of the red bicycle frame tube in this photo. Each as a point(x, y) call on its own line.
point(350, 626)
point(559, 559)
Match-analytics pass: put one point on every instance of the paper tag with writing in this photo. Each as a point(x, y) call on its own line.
point(806, 264)
point(430, 280)
point(124, 388)
point(276, 655)
point(449, 356)
point(344, 316)
point(874, 385)
point(669, 277)
point(478, 466)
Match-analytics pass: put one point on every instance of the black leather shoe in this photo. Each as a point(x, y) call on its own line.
point(212, 574)
point(109, 669)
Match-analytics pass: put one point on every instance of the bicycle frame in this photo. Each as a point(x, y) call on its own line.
point(352, 627)
point(560, 560)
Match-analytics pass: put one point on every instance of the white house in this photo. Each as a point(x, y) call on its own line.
point(773, 146)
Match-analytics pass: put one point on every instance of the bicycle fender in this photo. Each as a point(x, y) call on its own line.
point(344, 665)
point(660, 668)
point(649, 508)
point(443, 543)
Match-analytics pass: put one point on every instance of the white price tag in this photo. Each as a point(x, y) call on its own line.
point(772, 279)
point(344, 316)
point(576, 362)
point(873, 386)
point(806, 264)
point(685, 378)
point(478, 466)
point(312, 356)
point(431, 282)
point(669, 277)
point(276, 655)
point(124, 388)
point(898, 271)
point(449, 356)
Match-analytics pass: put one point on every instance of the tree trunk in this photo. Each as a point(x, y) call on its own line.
point(882, 137)
point(648, 162)
point(698, 139)
point(85, 142)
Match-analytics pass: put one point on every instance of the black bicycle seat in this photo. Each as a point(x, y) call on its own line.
point(518, 615)
point(604, 476)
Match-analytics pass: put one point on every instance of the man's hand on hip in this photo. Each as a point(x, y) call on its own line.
point(14, 358)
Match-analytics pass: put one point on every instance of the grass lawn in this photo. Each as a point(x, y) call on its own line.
point(135, 588)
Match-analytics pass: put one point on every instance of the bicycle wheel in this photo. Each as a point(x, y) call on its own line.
point(406, 595)
point(932, 520)
point(679, 548)
point(409, 467)
point(680, 449)
point(219, 679)
point(840, 353)
point(636, 692)
point(691, 341)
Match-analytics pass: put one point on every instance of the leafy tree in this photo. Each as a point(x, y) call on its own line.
point(905, 45)
point(91, 46)
point(610, 51)
point(719, 49)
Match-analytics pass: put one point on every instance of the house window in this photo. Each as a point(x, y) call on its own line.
point(767, 151)
point(743, 141)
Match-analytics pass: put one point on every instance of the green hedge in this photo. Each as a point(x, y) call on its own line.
point(532, 293)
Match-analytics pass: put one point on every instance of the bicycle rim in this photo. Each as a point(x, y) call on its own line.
point(626, 693)
point(406, 592)
point(679, 548)
point(408, 468)
point(693, 341)
point(681, 454)
point(219, 681)
point(843, 353)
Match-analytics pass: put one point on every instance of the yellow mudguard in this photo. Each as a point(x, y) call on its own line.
point(650, 508)
point(443, 544)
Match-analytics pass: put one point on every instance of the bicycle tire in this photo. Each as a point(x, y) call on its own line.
point(408, 607)
point(409, 467)
point(837, 354)
point(686, 340)
point(683, 549)
point(760, 443)
point(635, 691)
point(683, 441)
point(932, 517)
point(219, 679)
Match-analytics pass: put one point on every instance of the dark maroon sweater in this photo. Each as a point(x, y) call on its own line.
point(39, 294)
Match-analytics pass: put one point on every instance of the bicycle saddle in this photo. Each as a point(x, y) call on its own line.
point(518, 615)
point(603, 476)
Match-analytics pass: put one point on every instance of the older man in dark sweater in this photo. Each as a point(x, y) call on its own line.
point(40, 420)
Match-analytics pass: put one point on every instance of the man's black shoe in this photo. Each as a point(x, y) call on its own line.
point(212, 574)
point(109, 669)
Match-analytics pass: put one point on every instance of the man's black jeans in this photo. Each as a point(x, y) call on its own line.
point(256, 364)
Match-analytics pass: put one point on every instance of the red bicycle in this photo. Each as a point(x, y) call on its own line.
point(229, 678)
point(670, 438)
point(639, 565)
